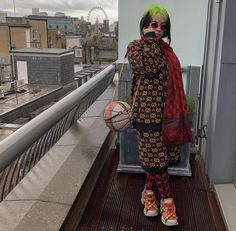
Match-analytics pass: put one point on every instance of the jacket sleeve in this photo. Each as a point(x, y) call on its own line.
point(145, 57)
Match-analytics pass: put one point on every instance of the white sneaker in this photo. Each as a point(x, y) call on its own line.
point(168, 212)
point(150, 204)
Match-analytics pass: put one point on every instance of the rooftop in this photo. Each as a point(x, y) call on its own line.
point(42, 51)
point(25, 94)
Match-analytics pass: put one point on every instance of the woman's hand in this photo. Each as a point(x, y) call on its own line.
point(147, 30)
point(149, 33)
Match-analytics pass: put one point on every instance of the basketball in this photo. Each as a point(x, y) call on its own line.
point(117, 116)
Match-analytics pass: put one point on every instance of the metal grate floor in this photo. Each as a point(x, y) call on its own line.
point(115, 202)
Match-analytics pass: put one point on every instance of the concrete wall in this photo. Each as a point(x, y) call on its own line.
point(5, 41)
point(67, 69)
point(51, 70)
point(219, 106)
point(188, 22)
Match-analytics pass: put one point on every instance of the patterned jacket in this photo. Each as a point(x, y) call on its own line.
point(148, 65)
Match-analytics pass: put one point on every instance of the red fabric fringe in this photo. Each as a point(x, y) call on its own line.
point(176, 126)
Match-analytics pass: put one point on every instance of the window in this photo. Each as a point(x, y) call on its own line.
point(49, 42)
point(78, 52)
point(34, 34)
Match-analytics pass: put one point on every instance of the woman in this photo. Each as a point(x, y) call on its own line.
point(160, 115)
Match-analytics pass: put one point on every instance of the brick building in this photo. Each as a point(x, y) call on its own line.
point(44, 66)
point(18, 33)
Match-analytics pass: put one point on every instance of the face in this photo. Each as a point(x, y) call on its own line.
point(158, 24)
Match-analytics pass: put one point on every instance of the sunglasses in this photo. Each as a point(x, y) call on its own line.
point(155, 25)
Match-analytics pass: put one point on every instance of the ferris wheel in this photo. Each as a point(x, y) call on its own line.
point(95, 9)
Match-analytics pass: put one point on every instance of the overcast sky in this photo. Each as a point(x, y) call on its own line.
point(74, 8)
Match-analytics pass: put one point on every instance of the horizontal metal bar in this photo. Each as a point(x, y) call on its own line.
point(19, 141)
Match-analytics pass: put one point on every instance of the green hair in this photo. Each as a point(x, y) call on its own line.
point(154, 9)
point(150, 13)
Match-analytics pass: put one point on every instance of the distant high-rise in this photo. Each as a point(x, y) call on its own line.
point(35, 11)
point(43, 13)
point(106, 26)
point(60, 14)
point(3, 16)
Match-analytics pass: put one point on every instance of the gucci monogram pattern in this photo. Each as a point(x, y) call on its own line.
point(174, 153)
point(153, 153)
point(149, 65)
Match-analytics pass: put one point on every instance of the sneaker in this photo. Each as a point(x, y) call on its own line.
point(150, 204)
point(168, 212)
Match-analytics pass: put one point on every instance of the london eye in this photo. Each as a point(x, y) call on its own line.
point(94, 9)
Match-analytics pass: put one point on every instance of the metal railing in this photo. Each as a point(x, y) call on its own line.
point(20, 151)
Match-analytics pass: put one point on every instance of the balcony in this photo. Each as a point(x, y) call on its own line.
point(59, 172)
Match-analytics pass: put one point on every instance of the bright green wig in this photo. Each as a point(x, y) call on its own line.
point(150, 13)
point(154, 9)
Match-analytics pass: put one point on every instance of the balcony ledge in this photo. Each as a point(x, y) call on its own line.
point(226, 194)
point(42, 200)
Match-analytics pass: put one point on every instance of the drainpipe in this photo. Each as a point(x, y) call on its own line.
point(9, 29)
point(10, 49)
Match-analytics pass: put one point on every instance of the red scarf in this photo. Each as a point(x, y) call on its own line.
point(176, 127)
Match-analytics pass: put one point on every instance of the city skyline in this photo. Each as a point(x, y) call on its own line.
point(73, 8)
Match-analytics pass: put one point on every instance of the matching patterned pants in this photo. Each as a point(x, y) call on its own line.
point(154, 155)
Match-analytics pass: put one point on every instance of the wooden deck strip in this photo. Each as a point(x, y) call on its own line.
point(130, 209)
point(91, 218)
point(115, 203)
point(112, 209)
point(184, 207)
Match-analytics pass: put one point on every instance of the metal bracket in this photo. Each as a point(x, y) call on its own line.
point(201, 133)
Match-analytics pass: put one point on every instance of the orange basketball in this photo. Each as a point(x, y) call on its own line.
point(117, 115)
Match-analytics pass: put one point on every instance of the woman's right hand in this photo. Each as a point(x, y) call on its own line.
point(149, 33)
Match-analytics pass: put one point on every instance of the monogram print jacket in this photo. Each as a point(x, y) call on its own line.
point(148, 66)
